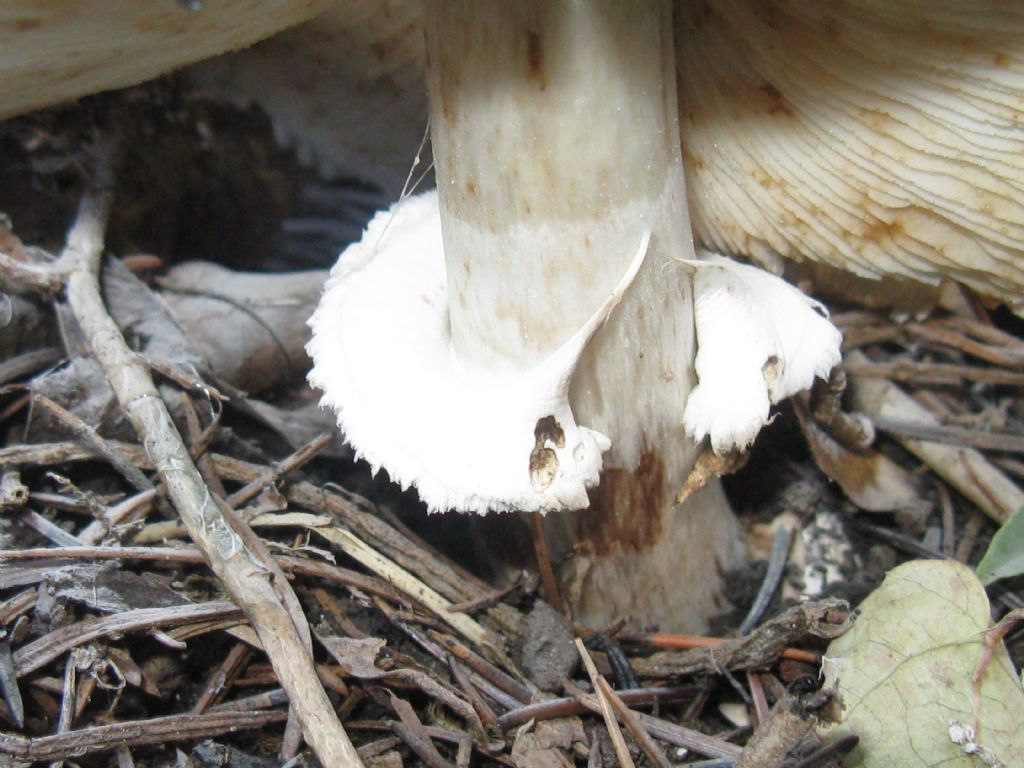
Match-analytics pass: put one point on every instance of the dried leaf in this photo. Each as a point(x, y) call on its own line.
point(357, 658)
point(543, 745)
point(112, 591)
point(905, 671)
point(965, 469)
point(869, 480)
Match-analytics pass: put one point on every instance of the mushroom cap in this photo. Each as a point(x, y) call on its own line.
point(877, 137)
point(55, 50)
point(883, 138)
point(346, 89)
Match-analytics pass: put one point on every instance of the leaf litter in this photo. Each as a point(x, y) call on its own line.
point(120, 646)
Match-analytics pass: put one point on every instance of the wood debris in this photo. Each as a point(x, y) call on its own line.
point(193, 572)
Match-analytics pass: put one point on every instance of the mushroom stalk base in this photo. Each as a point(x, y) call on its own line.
point(466, 436)
point(556, 147)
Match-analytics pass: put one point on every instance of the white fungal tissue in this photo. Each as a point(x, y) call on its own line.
point(759, 341)
point(466, 438)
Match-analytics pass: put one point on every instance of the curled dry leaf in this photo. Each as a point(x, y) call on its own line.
point(905, 672)
point(965, 469)
point(870, 480)
point(251, 326)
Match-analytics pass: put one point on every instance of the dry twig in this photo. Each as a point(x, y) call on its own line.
point(103, 738)
point(629, 718)
point(621, 750)
point(89, 436)
point(40, 652)
point(570, 705)
point(242, 575)
point(678, 735)
point(350, 510)
point(825, 619)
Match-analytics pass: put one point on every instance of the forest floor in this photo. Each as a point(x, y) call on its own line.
point(121, 647)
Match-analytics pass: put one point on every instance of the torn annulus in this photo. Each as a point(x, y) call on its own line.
point(478, 439)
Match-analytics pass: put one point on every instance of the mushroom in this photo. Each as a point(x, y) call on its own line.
point(877, 137)
point(528, 330)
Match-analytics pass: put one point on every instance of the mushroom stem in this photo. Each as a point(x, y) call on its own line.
point(556, 147)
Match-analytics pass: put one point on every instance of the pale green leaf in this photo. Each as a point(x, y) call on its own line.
point(1005, 555)
point(905, 670)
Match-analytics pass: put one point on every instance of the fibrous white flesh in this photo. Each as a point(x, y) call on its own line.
point(880, 137)
point(556, 147)
point(467, 436)
point(759, 341)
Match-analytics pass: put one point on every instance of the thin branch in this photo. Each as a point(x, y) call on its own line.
point(40, 652)
point(933, 373)
point(825, 619)
point(9, 685)
point(676, 735)
point(242, 575)
point(983, 440)
point(629, 719)
point(407, 582)
point(570, 705)
point(90, 437)
point(1007, 357)
point(351, 510)
point(621, 751)
point(290, 463)
point(24, 276)
point(29, 362)
point(518, 689)
point(411, 731)
point(324, 571)
point(103, 738)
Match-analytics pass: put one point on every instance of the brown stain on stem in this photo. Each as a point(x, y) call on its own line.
point(535, 59)
point(627, 509)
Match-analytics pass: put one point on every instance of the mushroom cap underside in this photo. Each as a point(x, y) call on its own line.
point(877, 137)
point(883, 138)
